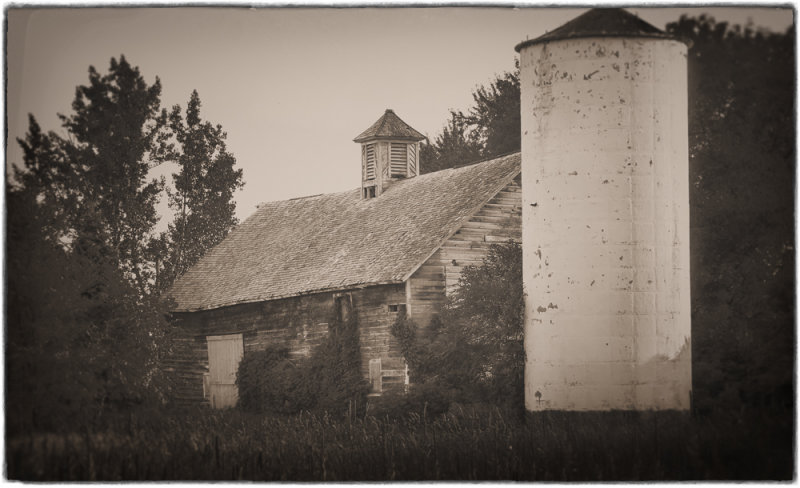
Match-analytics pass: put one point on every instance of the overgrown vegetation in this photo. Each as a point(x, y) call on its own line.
point(328, 381)
point(463, 444)
point(86, 329)
point(742, 173)
point(473, 350)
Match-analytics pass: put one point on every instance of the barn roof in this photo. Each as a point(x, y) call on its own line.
point(389, 126)
point(339, 240)
point(601, 22)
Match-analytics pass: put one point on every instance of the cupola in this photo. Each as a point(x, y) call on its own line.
point(389, 151)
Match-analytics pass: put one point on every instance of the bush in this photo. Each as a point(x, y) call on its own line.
point(269, 381)
point(474, 348)
point(328, 381)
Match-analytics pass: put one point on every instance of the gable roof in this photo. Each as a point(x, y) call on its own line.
point(339, 240)
point(601, 22)
point(389, 126)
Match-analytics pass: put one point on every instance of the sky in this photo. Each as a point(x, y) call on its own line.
point(291, 87)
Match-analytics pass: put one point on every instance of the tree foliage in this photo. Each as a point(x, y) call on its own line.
point(80, 339)
point(490, 128)
point(115, 136)
point(742, 169)
point(474, 347)
point(83, 336)
point(203, 195)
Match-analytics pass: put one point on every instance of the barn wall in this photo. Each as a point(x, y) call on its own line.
point(300, 323)
point(498, 221)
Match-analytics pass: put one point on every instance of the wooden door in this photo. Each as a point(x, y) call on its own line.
point(224, 354)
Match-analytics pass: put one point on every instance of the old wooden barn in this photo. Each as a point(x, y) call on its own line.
point(397, 243)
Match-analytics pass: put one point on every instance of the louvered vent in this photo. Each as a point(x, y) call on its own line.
point(369, 158)
point(412, 159)
point(398, 159)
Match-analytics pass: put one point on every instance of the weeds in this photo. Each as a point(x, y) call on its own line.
point(464, 444)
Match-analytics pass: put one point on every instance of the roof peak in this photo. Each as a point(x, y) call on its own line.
point(389, 126)
point(601, 22)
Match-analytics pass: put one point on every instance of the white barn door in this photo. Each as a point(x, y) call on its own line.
point(224, 354)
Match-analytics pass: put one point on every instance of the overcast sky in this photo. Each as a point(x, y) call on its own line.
point(292, 87)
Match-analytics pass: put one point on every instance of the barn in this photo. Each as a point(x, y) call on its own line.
point(396, 244)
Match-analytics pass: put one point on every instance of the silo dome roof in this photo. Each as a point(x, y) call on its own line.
point(601, 22)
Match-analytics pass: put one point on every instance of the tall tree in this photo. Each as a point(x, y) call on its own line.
point(742, 174)
point(204, 188)
point(116, 128)
point(81, 335)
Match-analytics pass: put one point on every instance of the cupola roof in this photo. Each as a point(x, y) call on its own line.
point(389, 126)
point(601, 22)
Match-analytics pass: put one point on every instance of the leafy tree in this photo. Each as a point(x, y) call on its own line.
point(742, 168)
point(475, 345)
point(47, 178)
point(204, 187)
point(80, 340)
point(489, 129)
point(455, 146)
point(496, 115)
point(82, 337)
point(116, 135)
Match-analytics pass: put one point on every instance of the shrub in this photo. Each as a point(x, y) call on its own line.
point(335, 368)
point(269, 381)
point(474, 347)
point(328, 381)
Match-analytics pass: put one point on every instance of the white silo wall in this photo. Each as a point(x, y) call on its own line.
point(606, 224)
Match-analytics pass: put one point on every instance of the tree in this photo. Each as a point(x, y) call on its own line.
point(489, 129)
point(475, 345)
point(204, 187)
point(496, 115)
point(47, 178)
point(117, 134)
point(742, 174)
point(455, 146)
point(82, 337)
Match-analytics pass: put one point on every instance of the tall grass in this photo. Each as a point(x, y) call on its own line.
point(464, 444)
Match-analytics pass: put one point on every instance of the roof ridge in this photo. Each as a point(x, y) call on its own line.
point(268, 202)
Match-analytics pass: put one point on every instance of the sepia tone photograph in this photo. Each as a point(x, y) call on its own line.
point(400, 243)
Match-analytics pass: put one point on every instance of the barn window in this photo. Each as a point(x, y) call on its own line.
point(342, 303)
point(369, 192)
point(397, 307)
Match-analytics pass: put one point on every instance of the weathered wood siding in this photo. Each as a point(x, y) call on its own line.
point(497, 221)
point(299, 323)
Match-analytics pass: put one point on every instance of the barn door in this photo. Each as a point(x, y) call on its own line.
point(224, 354)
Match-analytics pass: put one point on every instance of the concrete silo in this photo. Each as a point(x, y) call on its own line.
point(606, 216)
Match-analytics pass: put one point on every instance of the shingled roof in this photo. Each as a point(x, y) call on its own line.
point(389, 126)
point(601, 22)
point(339, 240)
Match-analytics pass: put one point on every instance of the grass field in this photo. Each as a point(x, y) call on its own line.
point(464, 444)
